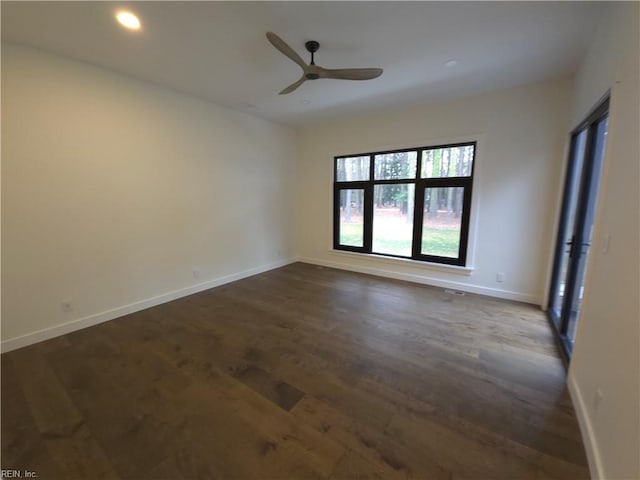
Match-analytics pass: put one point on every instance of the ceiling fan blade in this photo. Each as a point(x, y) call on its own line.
point(293, 86)
point(350, 73)
point(281, 45)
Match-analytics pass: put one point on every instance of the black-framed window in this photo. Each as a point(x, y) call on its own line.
point(410, 203)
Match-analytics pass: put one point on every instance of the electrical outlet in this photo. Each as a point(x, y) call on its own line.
point(500, 277)
point(66, 306)
point(196, 273)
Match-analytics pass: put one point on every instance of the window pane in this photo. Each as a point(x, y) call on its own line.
point(447, 162)
point(393, 219)
point(351, 217)
point(350, 169)
point(399, 165)
point(441, 221)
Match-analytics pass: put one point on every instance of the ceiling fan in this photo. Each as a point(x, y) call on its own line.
point(313, 71)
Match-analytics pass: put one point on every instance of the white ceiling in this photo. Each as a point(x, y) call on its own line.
point(218, 50)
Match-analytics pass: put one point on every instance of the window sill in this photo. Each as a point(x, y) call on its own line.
point(466, 271)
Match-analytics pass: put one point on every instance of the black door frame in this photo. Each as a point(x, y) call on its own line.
point(578, 242)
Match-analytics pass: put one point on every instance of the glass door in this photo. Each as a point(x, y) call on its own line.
point(566, 231)
point(576, 223)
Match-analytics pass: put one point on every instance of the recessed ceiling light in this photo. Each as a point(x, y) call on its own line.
point(304, 101)
point(451, 63)
point(128, 20)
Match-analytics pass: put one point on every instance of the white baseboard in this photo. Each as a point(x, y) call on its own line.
point(588, 437)
point(80, 323)
point(426, 280)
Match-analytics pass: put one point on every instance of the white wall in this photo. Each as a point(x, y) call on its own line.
point(114, 190)
point(607, 348)
point(521, 134)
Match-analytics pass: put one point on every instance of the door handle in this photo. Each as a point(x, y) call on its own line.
point(571, 244)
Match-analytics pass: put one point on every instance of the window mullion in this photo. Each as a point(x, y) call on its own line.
point(418, 208)
point(336, 216)
point(372, 168)
point(368, 217)
point(368, 207)
point(418, 212)
point(464, 227)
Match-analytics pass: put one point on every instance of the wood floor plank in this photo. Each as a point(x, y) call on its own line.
point(23, 447)
point(224, 388)
point(354, 467)
point(235, 447)
point(79, 456)
point(52, 409)
point(68, 440)
point(379, 452)
point(279, 392)
point(168, 469)
point(486, 454)
point(299, 372)
point(126, 422)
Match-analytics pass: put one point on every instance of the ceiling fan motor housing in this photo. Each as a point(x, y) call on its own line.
point(312, 46)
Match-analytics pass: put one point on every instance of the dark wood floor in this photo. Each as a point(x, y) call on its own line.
point(301, 372)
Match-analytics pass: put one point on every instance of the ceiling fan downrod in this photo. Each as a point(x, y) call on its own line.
point(312, 47)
